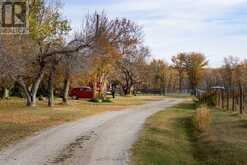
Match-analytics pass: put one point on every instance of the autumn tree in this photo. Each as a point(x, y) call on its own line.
point(46, 28)
point(179, 65)
point(195, 66)
point(111, 49)
point(243, 78)
point(41, 48)
point(103, 53)
point(231, 74)
point(230, 65)
point(158, 71)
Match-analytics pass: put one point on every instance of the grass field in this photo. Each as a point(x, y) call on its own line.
point(18, 121)
point(169, 138)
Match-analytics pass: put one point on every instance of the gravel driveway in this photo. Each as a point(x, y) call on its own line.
point(104, 139)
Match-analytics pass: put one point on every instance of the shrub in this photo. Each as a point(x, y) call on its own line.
point(202, 119)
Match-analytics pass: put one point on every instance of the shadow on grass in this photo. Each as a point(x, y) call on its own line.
point(185, 107)
point(244, 125)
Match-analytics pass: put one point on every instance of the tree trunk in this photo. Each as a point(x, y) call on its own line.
point(194, 93)
point(222, 99)
point(95, 93)
point(126, 90)
point(31, 94)
point(51, 86)
point(5, 93)
point(180, 82)
point(228, 99)
point(102, 86)
point(233, 100)
point(35, 87)
point(27, 93)
point(241, 99)
point(66, 90)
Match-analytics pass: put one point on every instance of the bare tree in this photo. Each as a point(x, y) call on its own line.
point(133, 55)
point(72, 64)
point(129, 69)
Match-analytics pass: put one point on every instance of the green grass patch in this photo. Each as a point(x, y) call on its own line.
point(170, 138)
point(164, 139)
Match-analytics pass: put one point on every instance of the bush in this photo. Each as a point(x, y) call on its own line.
point(202, 119)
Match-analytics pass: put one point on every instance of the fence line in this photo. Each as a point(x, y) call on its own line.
point(231, 99)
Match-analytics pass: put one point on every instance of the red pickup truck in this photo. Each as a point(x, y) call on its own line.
point(81, 92)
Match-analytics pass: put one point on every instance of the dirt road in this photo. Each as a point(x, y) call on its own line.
point(105, 139)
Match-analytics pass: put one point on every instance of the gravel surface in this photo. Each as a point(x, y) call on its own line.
point(104, 139)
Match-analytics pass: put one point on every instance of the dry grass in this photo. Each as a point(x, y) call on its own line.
point(18, 121)
point(225, 143)
point(202, 119)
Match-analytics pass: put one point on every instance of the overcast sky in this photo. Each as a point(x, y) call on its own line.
point(217, 28)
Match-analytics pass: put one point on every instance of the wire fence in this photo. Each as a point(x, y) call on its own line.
point(230, 99)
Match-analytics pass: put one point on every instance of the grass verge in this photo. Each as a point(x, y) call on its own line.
point(169, 138)
point(18, 121)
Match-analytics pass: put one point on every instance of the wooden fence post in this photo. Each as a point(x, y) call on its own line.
point(228, 98)
point(219, 99)
point(222, 99)
point(233, 100)
point(241, 91)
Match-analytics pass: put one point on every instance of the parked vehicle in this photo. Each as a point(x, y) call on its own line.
point(81, 92)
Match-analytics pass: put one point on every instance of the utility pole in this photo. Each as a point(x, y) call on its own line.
point(97, 26)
